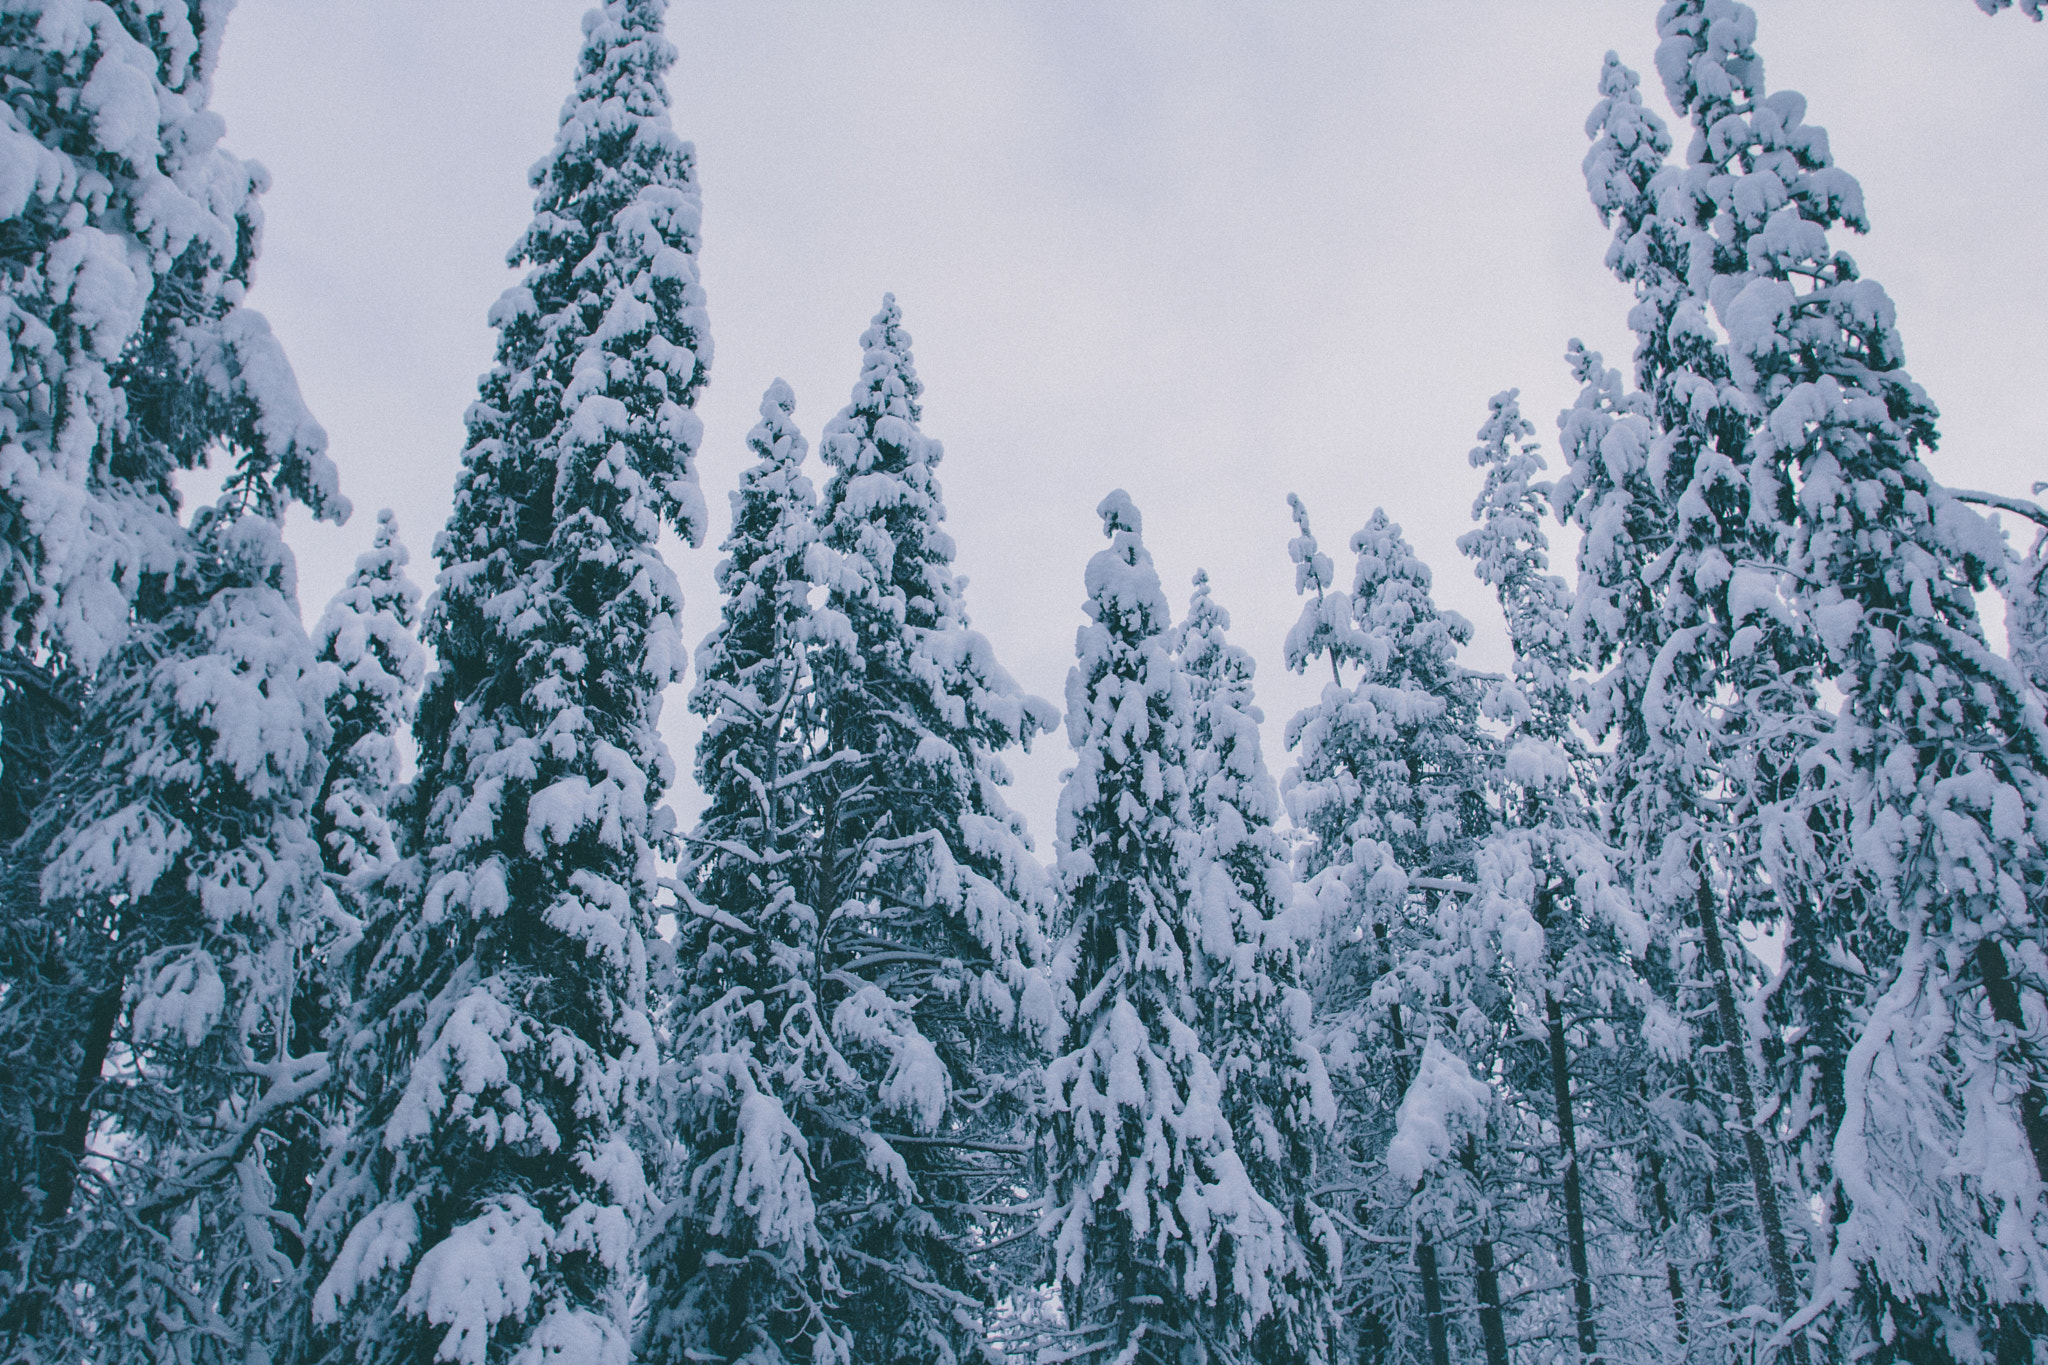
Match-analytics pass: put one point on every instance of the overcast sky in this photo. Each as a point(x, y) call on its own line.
point(1211, 253)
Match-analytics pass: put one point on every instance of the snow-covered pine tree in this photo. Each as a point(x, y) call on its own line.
point(1939, 759)
point(1388, 787)
point(1163, 1247)
point(1324, 628)
point(1708, 689)
point(135, 648)
point(1550, 914)
point(488, 1200)
point(184, 866)
point(1256, 1026)
point(367, 638)
point(931, 906)
point(368, 634)
point(738, 1270)
point(2036, 10)
point(1385, 782)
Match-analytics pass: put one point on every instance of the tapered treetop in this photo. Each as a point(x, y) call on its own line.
point(493, 1211)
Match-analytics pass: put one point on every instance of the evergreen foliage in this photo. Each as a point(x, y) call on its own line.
point(933, 969)
point(1257, 1025)
point(489, 1198)
point(1387, 790)
point(1936, 761)
point(861, 989)
point(1676, 996)
point(1707, 690)
point(2026, 613)
point(160, 706)
point(1550, 926)
point(739, 1270)
point(1190, 1257)
point(368, 634)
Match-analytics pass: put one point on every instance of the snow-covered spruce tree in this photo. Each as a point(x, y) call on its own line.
point(367, 638)
point(488, 1199)
point(1624, 517)
point(1709, 689)
point(2033, 9)
point(184, 866)
point(738, 1270)
point(1384, 781)
point(1693, 1167)
point(368, 634)
point(930, 907)
point(136, 648)
point(1388, 787)
point(131, 237)
point(1255, 1029)
point(1550, 915)
point(1939, 757)
point(1164, 1248)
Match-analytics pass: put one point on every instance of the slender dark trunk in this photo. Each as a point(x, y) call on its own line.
point(1769, 1218)
point(1666, 1222)
point(1723, 1278)
point(1397, 1035)
point(1491, 1325)
point(2005, 1008)
point(61, 1158)
point(1574, 1199)
point(1433, 1303)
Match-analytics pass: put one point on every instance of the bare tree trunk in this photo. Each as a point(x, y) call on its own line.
point(1667, 1222)
point(1433, 1303)
point(1574, 1201)
point(1491, 1325)
point(1769, 1218)
point(61, 1158)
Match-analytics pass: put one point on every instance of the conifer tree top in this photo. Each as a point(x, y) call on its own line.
point(1406, 635)
point(1124, 593)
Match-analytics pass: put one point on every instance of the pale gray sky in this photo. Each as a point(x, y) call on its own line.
point(1211, 253)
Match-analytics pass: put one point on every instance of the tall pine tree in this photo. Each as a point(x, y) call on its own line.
point(1256, 1029)
point(738, 1270)
point(488, 1202)
point(159, 704)
point(1388, 788)
point(367, 639)
point(1935, 776)
point(367, 634)
point(1550, 914)
point(931, 906)
point(1707, 687)
point(1163, 1246)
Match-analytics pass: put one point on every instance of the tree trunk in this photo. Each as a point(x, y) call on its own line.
point(61, 1158)
point(1491, 1325)
point(2005, 1008)
point(1667, 1222)
point(1433, 1303)
point(1769, 1217)
point(1574, 1203)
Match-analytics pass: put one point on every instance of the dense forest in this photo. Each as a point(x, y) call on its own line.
point(1678, 992)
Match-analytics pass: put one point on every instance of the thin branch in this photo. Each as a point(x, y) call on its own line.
point(904, 1139)
point(2032, 511)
